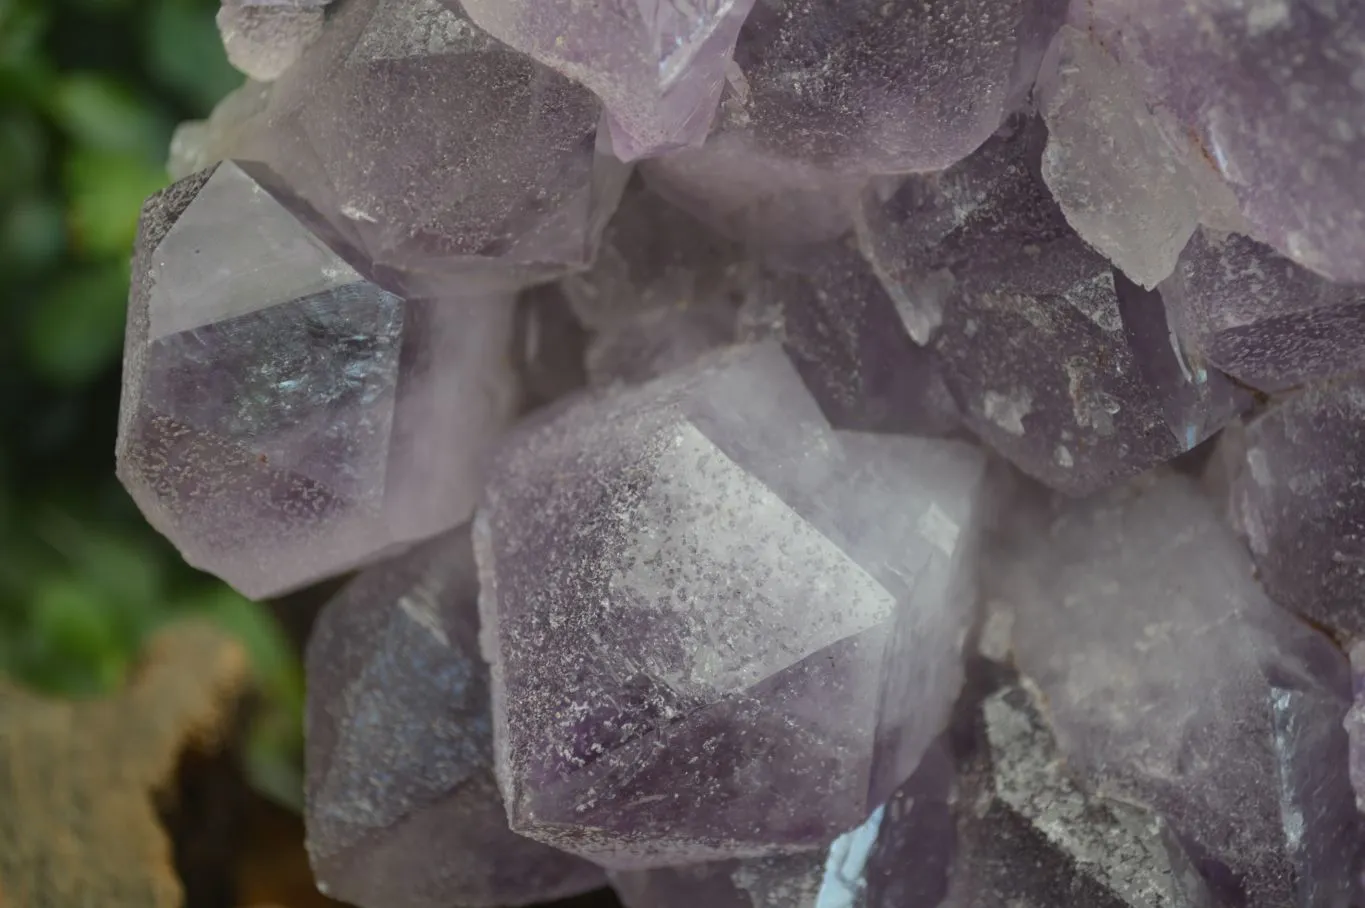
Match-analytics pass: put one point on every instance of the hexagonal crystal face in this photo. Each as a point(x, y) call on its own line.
point(279, 408)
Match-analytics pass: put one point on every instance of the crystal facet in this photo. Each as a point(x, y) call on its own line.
point(699, 566)
point(283, 418)
point(1173, 682)
point(263, 38)
point(402, 807)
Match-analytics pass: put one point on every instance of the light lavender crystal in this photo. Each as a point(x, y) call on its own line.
point(1174, 682)
point(1258, 316)
point(402, 807)
point(717, 628)
point(445, 158)
point(658, 65)
point(1057, 361)
point(1299, 499)
point(283, 418)
point(263, 38)
point(1272, 95)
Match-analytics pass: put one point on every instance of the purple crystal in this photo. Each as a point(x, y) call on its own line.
point(402, 806)
point(1173, 682)
point(283, 418)
point(1298, 500)
point(1355, 724)
point(786, 881)
point(844, 336)
point(717, 628)
point(1258, 316)
point(1271, 95)
point(658, 65)
point(444, 157)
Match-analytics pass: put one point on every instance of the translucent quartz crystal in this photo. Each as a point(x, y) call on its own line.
point(284, 419)
point(1299, 500)
point(844, 336)
point(198, 144)
point(263, 38)
point(718, 629)
point(658, 65)
point(402, 807)
point(1057, 361)
point(1124, 186)
point(1272, 94)
point(1258, 316)
point(444, 157)
point(1173, 682)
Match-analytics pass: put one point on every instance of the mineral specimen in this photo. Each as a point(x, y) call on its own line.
point(1258, 316)
point(283, 418)
point(788, 881)
point(1355, 724)
point(263, 38)
point(701, 566)
point(490, 187)
point(402, 807)
point(1173, 682)
point(1083, 383)
point(1272, 94)
point(198, 144)
point(657, 65)
point(1299, 500)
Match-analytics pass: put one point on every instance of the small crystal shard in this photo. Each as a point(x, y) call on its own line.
point(446, 158)
point(402, 807)
point(1174, 683)
point(1057, 361)
point(198, 144)
point(717, 628)
point(1299, 499)
point(1261, 318)
point(658, 65)
point(263, 38)
point(283, 418)
point(846, 338)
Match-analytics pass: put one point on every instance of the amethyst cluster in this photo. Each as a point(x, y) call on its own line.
point(796, 453)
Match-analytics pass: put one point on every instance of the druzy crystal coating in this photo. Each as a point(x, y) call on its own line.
point(932, 482)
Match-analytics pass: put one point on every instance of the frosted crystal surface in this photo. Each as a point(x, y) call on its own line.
point(198, 144)
point(788, 638)
point(402, 807)
point(1258, 316)
point(1175, 683)
point(283, 418)
point(263, 38)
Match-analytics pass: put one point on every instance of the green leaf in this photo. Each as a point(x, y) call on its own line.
point(23, 150)
point(75, 329)
point(105, 191)
point(186, 54)
point(76, 648)
point(99, 113)
point(32, 234)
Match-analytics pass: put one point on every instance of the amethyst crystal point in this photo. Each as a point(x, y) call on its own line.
point(717, 628)
point(263, 38)
point(1237, 78)
point(283, 418)
point(1260, 317)
point(1173, 682)
point(450, 158)
point(1299, 498)
point(1080, 384)
point(844, 336)
point(658, 65)
point(402, 807)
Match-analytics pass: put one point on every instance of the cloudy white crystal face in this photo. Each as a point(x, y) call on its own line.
point(263, 38)
point(451, 162)
point(709, 607)
point(1175, 683)
point(402, 807)
point(279, 410)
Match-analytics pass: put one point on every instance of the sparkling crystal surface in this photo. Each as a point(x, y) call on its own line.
point(1297, 498)
point(263, 38)
point(402, 806)
point(283, 418)
point(444, 156)
point(1260, 317)
point(658, 65)
point(1084, 381)
point(1271, 95)
point(700, 566)
point(1175, 683)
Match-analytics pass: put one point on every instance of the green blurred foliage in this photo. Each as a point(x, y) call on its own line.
point(90, 91)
